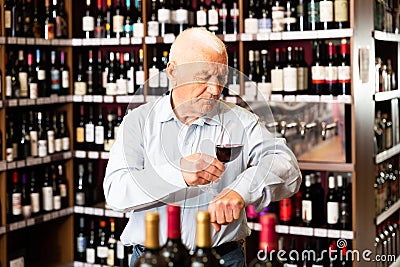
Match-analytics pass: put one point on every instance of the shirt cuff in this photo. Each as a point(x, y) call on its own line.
point(171, 173)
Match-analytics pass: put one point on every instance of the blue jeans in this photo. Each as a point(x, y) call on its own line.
point(235, 258)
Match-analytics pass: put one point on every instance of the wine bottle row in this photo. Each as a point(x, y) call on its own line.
point(386, 15)
point(386, 187)
point(385, 76)
point(97, 133)
point(86, 183)
point(320, 202)
point(383, 132)
point(31, 75)
point(36, 134)
point(387, 242)
point(36, 191)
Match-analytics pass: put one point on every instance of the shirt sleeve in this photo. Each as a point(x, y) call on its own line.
point(273, 174)
point(127, 183)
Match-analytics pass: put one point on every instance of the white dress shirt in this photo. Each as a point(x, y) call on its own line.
point(143, 171)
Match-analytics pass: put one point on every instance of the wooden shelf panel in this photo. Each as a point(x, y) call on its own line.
point(386, 36)
point(326, 166)
point(385, 155)
point(386, 214)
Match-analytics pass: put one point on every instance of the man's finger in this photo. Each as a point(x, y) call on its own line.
point(216, 226)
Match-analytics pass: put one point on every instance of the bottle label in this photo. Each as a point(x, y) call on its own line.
point(278, 14)
point(318, 74)
point(33, 90)
point(139, 77)
point(35, 202)
point(163, 15)
point(301, 72)
point(341, 10)
point(110, 257)
point(264, 90)
point(111, 88)
point(41, 75)
point(104, 76)
point(89, 133)
point(47, 193)
point(306, 210)
point(154, 77)
point(65, 143)
point(212, 17)
point(264, 25)
point(80, 88)
point(23, 82)
point(153, 28)
point(276, 80)
point(9, 154)
point(344, 74)
point(108, 144)
point(55, 79)
point(34, 143)
point(120, 250)
point(81, 244)
point(118, 23)
point(332, 210)
point(7, 19)
point(102, 252)
point(27, 211)
point(61, 26)
point(49, 31)
point(99, 135)
point(331, 73)
point(201, 18)
point(326, 11)
point(42, 148)
point(290, 79)
point(313, 12)
point(56, 202)
point(80, 198)
point(285, 209)
point(65, 79)
point(63, 190)
point(16, 204)
point(88, 24)
point(50, 141)
point(163, 79)
point(344, 214)
point(57, 145)
point(181, 16)
point(90, 255)
point(251, 25)
point(138, 30)
point(80, 135)
point(122, 85)
point(8, 86)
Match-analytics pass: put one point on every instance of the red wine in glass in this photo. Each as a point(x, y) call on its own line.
point(228, 152)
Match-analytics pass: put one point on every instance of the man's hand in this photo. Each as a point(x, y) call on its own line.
point(201, 169)
point(225, 208)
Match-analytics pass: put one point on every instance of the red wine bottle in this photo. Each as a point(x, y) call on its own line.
point(151, 256)
point(16, 199)
point(174, 249)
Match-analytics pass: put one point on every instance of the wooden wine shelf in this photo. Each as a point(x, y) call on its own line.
point(386, 214)
point(36, 220)
point(99, 211)
point(307, 231)
point(386, 36)
point(326, 166)
point(81, 154)
point(108, 99)
point(54, 99)
point(383, 96)
point(385, 155)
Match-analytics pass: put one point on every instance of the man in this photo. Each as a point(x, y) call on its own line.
point(165, 153)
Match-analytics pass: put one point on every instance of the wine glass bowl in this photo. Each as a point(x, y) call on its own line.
point(228, 152)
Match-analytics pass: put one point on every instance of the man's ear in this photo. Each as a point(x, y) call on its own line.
point(171, 72)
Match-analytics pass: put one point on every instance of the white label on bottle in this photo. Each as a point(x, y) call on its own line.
point(65, 143)
point(35, 202)
point(326, 11)
point(108, 144)
point(341, 10)
point(47, 194)
point(79, 88)
point(181, 16)
point(33, 90)
point(122, 85)
point(89, 133)
point(41, 75)
point(138, 30)
point(250, 88)
point(102, 252)
point(90, 255)
point(50, 141)
point(99, 135)
point(7, 19)
point(56, 202)
point(110, 257)
point(58, 145)
point(9, 154)
point(264, 90)
point(153, 28)
point(63, 190)
point(331, 73)
point(80, 198)
point(332, 210)
point(23, 82)
point(81, 244)
point(306, 210)
point(163, 79)
point(278, 13)
point(289, 79)
point(318, 73)
point(139, 77)
point(8, 86)
point(163, 15)
point(65, 79)
point(118, 23)
point(201, 18)
point(212, 17)
point(344, 73)
point(111, 88)
point(300, 78)
point(16, 204)
point(27, 211)
point(154, 77)
point(104, 76)
point(42, 148)
point(276, 80)
point(34, 143)
point(120, 250)
point(250, 25)
point(88, 24)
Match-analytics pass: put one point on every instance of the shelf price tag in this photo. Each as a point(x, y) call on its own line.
point(77, 98)
point(347, 234)
point(262, 36)
point(11, 165)
point(47, 217)
point(136, 40)
point(246, 37)
point(276, 98)
point(46, 159)
point(275, 36)
point(150, 40)
point(30, 222)
point(98, 212)
point(230, 37)
point(13, 102)
point(105, 155)
point(289, 98)
point(80, 154)
point(67, 155)
point(88, 98)
point(333, 233)
point(282, 229)
point(11, 40)
point(93, 155)
point(78, 209)
point(111, 213)
point(23, 102)
point(327, 98)
point(321, 232)
point(169, 38)
point(89, 211)
point(20, 163)
point(97, 98)
point(21, 41)
point(138, 99)
point(108, 99)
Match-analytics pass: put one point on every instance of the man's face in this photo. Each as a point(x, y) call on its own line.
point(199, 85)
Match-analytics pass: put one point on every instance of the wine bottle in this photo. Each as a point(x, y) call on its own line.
point(99, 30)
point(318, 70)
point(63, 186)
point(163, 15)
point(118, 19)
point(278, 16)
point(331, 71)
point(344, 203)
point(34, 194)
point(55, 74)
point(341, 13)
point(301, 12)
point(302, 71)
point(22, 75)
point(250, 83)
point(174, 249)
point(56, 189)
point(16, 197)
point(80, 130)
point(108, 20)
point(47, 192)
point(61, 30)
point(332, 204)
point(36, 22)
point(91, 246)
point(285, 211)
point(223, 18)
point(204, 254)
point(277, 74)
point(111, 87)
point(234, 15)
point(163, 72)
point(64, 132)
point(89, 74)
point(91, 193)
point(326, 14)
point(151, 256)
point(24, 144)
point(307, 203)
point(129, 59)
point(313, 15)
point(109, 132)
point(50, 132)
point(88, 21)
point(42, 73)
point(251, 22)
point(89, 130)
point(25, 198)
point(32, 79)
point(98, 77)
point(128, 22)
point(139, 74)
point(344, 71)
point(153, 26)
point(101, 247)
point(182, 16)
point(289, 73)
point(212, 17)
point(318, 196)
point(42, 136)
point(80, 190)
point(99, 131)
point(49, 22)
point(10, 18)
point(290, 17)
point(33, 134)
point(81, 240)
point(121, 76)
point(111, 244)
point(80, 85)
point(138, 27)
point(154, 76)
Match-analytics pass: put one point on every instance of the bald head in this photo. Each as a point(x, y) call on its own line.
point(197, 44)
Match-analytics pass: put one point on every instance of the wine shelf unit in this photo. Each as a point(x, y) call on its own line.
point(4, 165)
point(384, 96)
point(326, 166)
point(387, 213)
